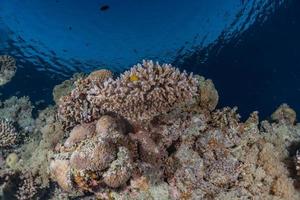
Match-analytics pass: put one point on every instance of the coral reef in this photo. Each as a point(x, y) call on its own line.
point(152, 133)
point(7, 69)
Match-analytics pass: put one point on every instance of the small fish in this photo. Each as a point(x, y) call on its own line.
point(104, 7)
point(134, 78)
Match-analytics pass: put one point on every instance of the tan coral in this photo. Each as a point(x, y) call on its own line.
point(74, 108)
point(156, 89)
point(100, 75)
point(28, 188)
point(208, 97)
point(284, 113)
point(7, 68)
point(61, 172)
point(80, 133)
point(65, 87)
point(109, 127)
point(120, 170)
point(93, 155)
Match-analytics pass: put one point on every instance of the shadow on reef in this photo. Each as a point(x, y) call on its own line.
point(151, 133)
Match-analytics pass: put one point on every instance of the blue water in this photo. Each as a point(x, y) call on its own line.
point(248, 47)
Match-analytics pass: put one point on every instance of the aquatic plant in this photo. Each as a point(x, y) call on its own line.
point(7, 68)
point(8, 134)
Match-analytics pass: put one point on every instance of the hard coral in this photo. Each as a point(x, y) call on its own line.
point(155, 89)
point(65, 87)
point(93, 155)
point(74, 108)
point(284, 114)
point(98, 161)
point(28, 188)
point(7, 68)
point(8, 135)
point(145, 91)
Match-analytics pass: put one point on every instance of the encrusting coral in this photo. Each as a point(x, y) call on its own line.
point(7, 68)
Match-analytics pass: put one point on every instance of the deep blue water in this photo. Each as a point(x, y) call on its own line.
point(250, 48)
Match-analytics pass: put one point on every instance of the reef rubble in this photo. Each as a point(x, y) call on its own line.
point(154, 132)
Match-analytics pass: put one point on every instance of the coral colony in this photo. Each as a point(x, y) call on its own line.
point(7, 69)
point(152, 133)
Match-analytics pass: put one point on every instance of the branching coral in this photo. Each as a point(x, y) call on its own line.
point(65, 87)
point(145, 91)
point(8, 134)
point(7, 68)
point(28, 188)
point(75, 108)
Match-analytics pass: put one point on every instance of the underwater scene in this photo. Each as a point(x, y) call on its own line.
point(149, 100)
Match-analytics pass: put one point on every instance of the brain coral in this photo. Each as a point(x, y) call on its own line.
point(145, 91)
point(7, 68)
point(8, 135)
point(95, 162)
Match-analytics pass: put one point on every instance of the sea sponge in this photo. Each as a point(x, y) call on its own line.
point(8, 134)
point(7, 68)
point(11, 160)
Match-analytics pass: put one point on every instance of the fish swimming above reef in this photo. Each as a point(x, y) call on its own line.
point(104, 7)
